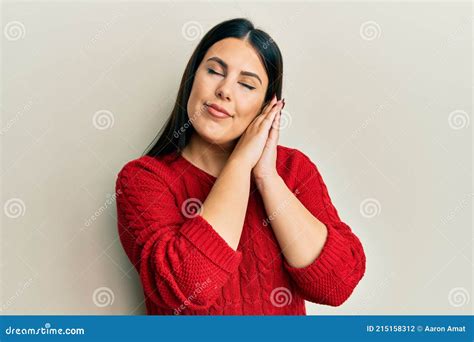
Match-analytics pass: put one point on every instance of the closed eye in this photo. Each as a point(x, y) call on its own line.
point(247, 86)
point(211, 71)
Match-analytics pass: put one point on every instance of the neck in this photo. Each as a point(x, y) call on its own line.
point(208, 156)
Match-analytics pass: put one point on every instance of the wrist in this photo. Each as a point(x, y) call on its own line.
point(239, 164)
point(267, 181)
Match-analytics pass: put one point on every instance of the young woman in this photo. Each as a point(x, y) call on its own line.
point(219, 219)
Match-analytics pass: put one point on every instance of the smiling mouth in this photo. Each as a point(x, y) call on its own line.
point(216, 113)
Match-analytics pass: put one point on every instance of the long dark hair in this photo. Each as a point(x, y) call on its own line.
point(171, 138)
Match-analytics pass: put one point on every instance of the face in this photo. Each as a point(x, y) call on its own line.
point(231, 76)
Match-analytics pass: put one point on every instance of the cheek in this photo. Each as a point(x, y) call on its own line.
point(197, 97)
point(241, 123)
point(200, 85)
point(196, 90)
point(248, 110)
point(204, 82)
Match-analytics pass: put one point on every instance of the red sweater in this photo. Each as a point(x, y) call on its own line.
point(187, 268)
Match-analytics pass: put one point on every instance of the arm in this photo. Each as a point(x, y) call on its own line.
point(300, 235)
point(322, 255)
point(226, 204)
point(180, 260)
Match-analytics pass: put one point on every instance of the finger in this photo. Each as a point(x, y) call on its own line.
point(272, 101)
point(276, 124)
point(275, 131)
point(267, 108)
point(263, 112)
point(269, 113)
point(266, 123)
point(272, 104)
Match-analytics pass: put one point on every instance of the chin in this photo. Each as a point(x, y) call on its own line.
point(216, 140)
point(213, 138)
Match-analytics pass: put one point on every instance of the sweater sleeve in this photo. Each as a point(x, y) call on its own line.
point(332, 276)
point(182, 261)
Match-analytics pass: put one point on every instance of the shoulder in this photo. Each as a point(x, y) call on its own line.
point(292, 158)
point(145, 169)
point(297, 169)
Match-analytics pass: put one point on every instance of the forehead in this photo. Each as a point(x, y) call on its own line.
point(238, 55)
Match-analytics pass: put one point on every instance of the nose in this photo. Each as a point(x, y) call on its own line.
point(223, 92)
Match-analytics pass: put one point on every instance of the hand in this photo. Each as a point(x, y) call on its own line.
point(266, 165)
point(250, 146)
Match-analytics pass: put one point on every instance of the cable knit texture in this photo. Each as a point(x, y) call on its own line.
point(187, 268)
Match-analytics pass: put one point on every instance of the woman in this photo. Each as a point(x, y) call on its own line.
point(219, 219)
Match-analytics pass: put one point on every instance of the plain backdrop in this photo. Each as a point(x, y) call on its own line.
point(378, 95)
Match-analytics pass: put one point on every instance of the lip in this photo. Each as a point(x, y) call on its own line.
point(217, 111)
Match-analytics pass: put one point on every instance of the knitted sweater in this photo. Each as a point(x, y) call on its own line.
point(187, 268)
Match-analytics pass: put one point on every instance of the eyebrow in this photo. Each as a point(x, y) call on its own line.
point(225, 66)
